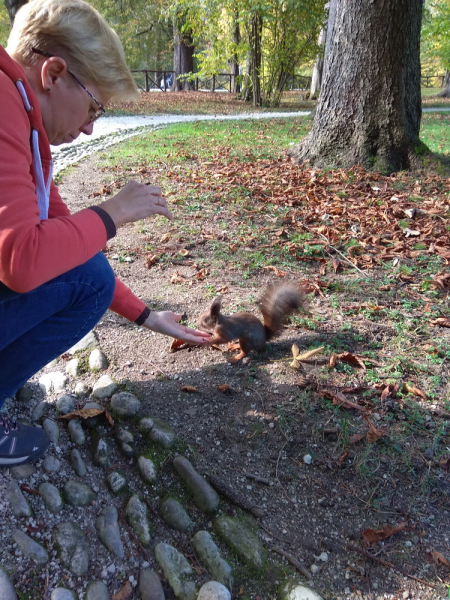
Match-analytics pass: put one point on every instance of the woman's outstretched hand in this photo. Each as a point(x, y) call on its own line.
point(167, 322)
point(136, 201)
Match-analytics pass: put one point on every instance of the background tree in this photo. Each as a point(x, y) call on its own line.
point(436, 40)
point(369, 108)
point(12, 6)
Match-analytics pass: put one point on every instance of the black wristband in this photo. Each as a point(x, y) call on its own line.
point(143, 316)
point(107, 221)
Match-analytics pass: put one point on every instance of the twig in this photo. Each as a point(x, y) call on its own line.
point(303, 570)
point(257, 478)
point(228, 493)
point(385, 563)
point(46, 590)
point(338, 251)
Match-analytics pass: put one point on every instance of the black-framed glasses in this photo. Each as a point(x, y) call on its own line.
point(101, 109)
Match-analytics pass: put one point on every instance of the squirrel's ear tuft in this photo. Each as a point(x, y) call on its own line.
point(216, 306)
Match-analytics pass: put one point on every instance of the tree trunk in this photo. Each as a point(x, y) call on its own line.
point(316, 79)
point(183, 60)
point(369, 108)
point(255, 57)
point(446, 91)
point(12, 6)
point(234, 62)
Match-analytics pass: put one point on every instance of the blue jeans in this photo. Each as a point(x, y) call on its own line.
point(38, 326)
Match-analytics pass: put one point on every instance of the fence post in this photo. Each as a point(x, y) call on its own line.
point(214, 83)
point(146, 81)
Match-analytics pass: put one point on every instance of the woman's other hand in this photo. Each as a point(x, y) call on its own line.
point(136, 201)
point(167, 322)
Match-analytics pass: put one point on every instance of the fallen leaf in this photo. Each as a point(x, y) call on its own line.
point(338, 399)
point(441, 321)
point(176, 345)
point(333, 360)
point(372, 536)
point(125, 592)
point(277, 271)
point(224, 388)
point(352, 359)
point(202, 274)
point(374, 433)
point(439, 558)
point(412, 389)
point(188, 388)
point(177, 278)
point(354, 439)
point(151, 260)
point(25, 488)
point(184, 252)
point(87, 413)
point(165, 238)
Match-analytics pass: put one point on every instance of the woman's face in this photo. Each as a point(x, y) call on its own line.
point(68, 106)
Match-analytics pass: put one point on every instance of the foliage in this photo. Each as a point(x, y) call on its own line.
point(435, 41)
point(4, 25)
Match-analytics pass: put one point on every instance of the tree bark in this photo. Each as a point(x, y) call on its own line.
point(183, 60)
point(316, 79)
point(12, 6)
point(255, 57)
point(369, 108)
point(446, 91)
point(234, 62)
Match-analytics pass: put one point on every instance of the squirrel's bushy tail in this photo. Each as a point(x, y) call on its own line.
point(279, 301)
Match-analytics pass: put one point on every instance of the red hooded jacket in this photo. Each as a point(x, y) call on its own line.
point(32, 251)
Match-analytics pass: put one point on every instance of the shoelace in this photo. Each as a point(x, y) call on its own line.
point(8, 424)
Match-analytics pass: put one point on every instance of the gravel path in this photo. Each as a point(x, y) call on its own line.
point(111, 130)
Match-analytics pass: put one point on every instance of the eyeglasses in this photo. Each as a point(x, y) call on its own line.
point(101, 109)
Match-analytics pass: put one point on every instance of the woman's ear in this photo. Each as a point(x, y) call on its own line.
point(52, 70)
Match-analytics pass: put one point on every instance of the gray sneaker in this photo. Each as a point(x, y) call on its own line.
point(20, 443)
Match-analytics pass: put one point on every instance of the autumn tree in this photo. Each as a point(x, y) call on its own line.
point(12, 6)
point(369, 108)
point(435, 39)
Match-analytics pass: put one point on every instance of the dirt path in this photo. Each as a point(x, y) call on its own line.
point(257, 435)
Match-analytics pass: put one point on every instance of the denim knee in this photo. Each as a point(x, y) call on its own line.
point(98, 270)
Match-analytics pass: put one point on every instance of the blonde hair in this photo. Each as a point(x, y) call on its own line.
point(75, 31)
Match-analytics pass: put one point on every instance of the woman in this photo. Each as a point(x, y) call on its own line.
point(62, 65)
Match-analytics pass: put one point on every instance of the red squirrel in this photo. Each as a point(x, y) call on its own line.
point(278, 302)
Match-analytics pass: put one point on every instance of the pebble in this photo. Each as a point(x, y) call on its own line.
point(104, 387)
point(150, 587)
point(137, 515)
point(65, 405)
point(205, 497)
point(125, 404)
point(97, 360)
point(76, 432)
point(30, 549)
point(6, 587)
point(213, 590)
point(109, 532)
point(51, 429)
point(177, 571)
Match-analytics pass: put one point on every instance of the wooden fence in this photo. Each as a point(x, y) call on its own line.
point(432, 81)
point(151, 79)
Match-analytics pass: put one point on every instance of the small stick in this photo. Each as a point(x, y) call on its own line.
point(385, 563)
point(338, 251)
point(257, 478)
point(303, 570)
point(228, 493)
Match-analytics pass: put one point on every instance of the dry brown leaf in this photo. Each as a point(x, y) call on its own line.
point(372, 536)
point(184, 252)
point(336, 265)
point(333, 360)
point(86, 413)
point(176, 345)
point(202, 274)
point(177, 278)
point(439, 558)
point(189, 388)
point(125, 592)
point(412, 389)
point(354, 439)
point(441, 321)
point(352, 359)
point(224, 388)
point(165, 238)
point(338, 399)
point(276, 270)
point(374, 433)
point(151, 260)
